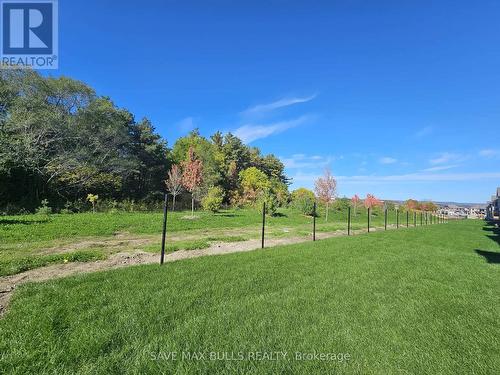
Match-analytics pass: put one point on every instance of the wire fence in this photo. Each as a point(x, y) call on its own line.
point(347, 221)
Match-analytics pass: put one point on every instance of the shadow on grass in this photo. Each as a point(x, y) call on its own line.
point(225, 215)
point(22, 222)
point(494, 228)
point(279, 214)
point(490, 256)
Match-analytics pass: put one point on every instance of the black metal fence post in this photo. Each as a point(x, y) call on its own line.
point(263, 222)
point(348, 221)
point(415, 219)
point(385, 219)
point(397, 218)
point(421, 222)
point(368, 219)
point(407, 219)
point(164, 232)
point(314, 222)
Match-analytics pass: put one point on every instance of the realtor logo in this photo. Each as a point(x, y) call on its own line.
point(29, 34)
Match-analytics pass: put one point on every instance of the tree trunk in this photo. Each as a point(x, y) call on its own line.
point(192, 205)
point(326, 219)
point(173, 203)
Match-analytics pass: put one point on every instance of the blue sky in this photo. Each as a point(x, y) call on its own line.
point(399, 98)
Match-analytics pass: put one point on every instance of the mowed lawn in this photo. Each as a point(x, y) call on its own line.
point(422, 300)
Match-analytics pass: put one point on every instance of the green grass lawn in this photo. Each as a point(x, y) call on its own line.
point(25, 239)
point(424, 300)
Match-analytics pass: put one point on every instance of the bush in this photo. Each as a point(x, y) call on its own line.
point(303, 200)
point(341, 204)
point(271, 200)
point(213, 200)
point(44, 209)
point(281, 191)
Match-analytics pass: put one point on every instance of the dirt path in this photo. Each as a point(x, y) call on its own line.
point(8, 284)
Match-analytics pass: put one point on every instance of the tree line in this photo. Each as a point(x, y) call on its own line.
point(60, 143)
point(64, 147)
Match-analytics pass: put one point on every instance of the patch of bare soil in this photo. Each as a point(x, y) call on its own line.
point(8, 284)
point(108, 243)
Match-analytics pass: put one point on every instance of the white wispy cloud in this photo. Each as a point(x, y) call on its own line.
point(447, 157)
point(307, 179)
point(423, 177)
point(424, 132)
point(440, 168)
point(251, 132)
point(284, 102)
point(387, 160)
point(302, 161)
point(186, 125)
point(489, 153)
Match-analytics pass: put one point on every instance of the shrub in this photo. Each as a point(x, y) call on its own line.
point(271, 200)
point(281, 191)
point(213, 200)
point(93, 198)
point(341, 204)
point(44, 209)
point(303, 200)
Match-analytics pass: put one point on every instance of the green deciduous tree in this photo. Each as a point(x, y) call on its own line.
point(254, 183)
point(213, 200)
point(303, 200)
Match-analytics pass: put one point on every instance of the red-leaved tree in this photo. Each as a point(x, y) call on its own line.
point(326, 188)
point(174, 183)
point(371, 201)
point(192, 175)
point(411, 205)
point(356, 201)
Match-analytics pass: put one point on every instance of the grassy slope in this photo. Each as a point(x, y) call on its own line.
point(408, 301)
point(23, 237)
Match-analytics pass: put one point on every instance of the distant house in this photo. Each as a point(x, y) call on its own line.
point(493, 208)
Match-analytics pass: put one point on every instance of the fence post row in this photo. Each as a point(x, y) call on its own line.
point(385, 219)
point(368, 219)
point(263, 221)
point(314, 222)
point(432, 219)
point(348, 221)
point(164, 232)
